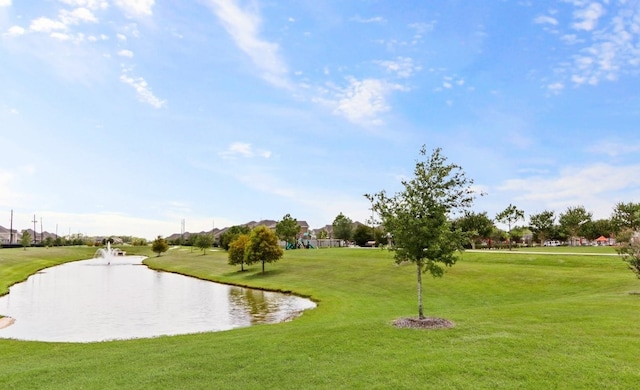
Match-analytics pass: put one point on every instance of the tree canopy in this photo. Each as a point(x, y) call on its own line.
point(572, 219)
point(231, 234)
point(541, 224)
point(418, 216)
point(342, 227)
point(510, 216)
point(159, 245)
point(362, 235)
point(204, 241)
point(288, 229)
point(237, 250)
point(25, 240)
point(626, 216)
point(475, 226)
point(262, 247)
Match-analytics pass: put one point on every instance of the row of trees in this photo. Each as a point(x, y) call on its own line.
point(570, 225)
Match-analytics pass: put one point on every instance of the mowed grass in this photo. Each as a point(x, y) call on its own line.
point(522, 321)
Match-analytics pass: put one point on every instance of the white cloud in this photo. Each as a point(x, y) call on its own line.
point(587, 18)
point(374, 19)
point(61, 36)
point(5, 3)
point(90, 4)
point(125, 53)
point(597, 187)
point(605, 46)
point(614, 148)
point(555, 87)
point(121, 37)
point(15, 31)
point(43, 24)
point(243, 25)
point(136, 7)
point(144, 91)
point(241, 149)
point(403, 67)
point(362, 101)
point(76, 16)
point(543, 19)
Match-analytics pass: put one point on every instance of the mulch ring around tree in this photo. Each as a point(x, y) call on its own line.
point(424, 323)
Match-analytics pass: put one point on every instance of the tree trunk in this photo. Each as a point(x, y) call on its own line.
point(262, 266)
point(419, 266)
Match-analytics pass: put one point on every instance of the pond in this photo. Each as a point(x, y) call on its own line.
point(93, 300)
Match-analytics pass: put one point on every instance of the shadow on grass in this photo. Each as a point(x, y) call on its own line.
point(258, 274)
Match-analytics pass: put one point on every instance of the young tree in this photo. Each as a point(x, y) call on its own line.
point(362, 234)
point(262, 247)
point(287, 229)
point(572, 219)
point(475, 226)
point(380, 236)
point(231, 234)
point(342, 228)
point(323, 234)
point(541, 224)
point(626, 216)
point(237, 250)
point(629, 250)
point(159, 246)
point(417, 217)
point(25, 240)
point(510, 216)
point(204, 241)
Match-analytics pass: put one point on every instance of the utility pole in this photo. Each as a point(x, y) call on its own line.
point(35, 234)
point(11, 229)
point(41, 236)
point(182, 232)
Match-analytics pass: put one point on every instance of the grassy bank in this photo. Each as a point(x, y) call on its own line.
point(522, 320)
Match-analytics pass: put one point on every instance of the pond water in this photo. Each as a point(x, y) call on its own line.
point(93, 300)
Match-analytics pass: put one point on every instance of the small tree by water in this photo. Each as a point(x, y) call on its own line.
point(237, 249)
point(262, 247)
point(159, 246)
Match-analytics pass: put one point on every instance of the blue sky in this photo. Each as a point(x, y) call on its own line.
point(128, 116)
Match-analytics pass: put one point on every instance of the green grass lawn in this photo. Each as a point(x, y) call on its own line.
point(522, 321)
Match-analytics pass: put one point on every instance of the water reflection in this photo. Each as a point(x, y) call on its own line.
point(93, 301)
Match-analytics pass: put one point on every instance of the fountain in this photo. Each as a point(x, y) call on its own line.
point(106, 253)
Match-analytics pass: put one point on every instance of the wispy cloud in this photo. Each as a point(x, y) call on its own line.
point(403, 67)
point(373, 19)
point(587, 18)
point(614, 148)
point(125, 53)
point(244, 27)
point(605, 37)
point(544, 19)
point(143, 90)
point(5, 3)
point(362, 101)
point(243, 150)
point(135, 8)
